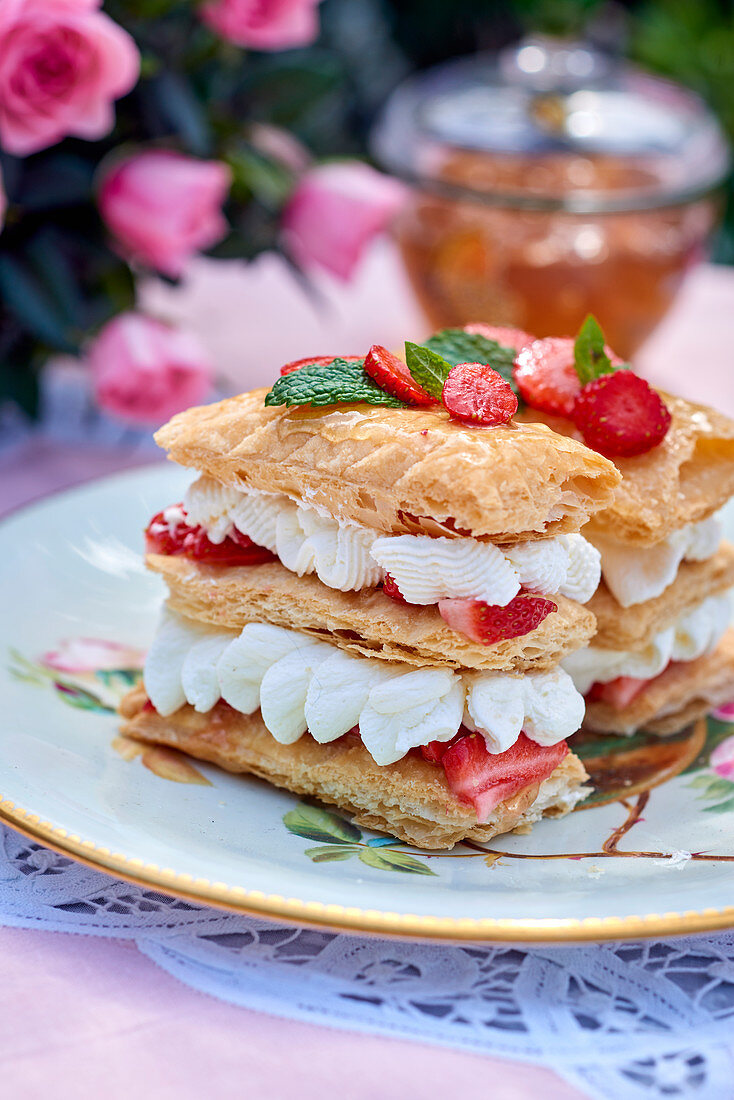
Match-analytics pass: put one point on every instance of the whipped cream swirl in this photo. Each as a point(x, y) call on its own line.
point(694, 634)
point(634, 574)
point(299, 684)
point(348, 557)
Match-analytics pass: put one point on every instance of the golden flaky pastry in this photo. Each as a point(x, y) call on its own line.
point(683, 692)
point(634, 627)
point(683, 480)
point(409, 799)
point(366, 623)
point(400, 471)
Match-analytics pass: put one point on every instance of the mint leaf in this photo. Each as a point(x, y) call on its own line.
point(429, 369)
point(457, 346)
point(334, 383)
point(590, 358)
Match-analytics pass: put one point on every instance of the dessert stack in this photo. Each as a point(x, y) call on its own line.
point(372, 585)
point(663, 653)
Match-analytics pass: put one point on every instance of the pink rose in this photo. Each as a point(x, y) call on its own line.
point(722, 759)
point(162, 207)
point(62, 63)
point(334, 213)
point(724, 713)
point(92, 655)
point(264, 24)
point(144, 371)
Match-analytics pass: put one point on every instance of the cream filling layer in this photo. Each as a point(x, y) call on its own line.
point(634, 574)
point(695, 633)
point(348, 557)
point(301, 685)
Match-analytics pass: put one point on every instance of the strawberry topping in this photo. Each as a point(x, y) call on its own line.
point(488, 623)
point(617, 693)
point(392, 375)
point(485, 779)
point(477, 393)
point(434, 751)
point(321, 360)
point(508, 337)
point(181, 540)
point(390, 588)
point(620, 415)
point(546, 377)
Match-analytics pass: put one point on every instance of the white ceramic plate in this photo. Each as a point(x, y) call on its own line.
point(653, 856)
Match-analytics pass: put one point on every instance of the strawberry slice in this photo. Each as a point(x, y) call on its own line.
point(390, 588)
point(620, 415)
point(182, 540)
point(546, 377)
point(434, 751)
point(617, 693)
point(477, 393)
point(485, 779)
point(321, 360)
point(392, 375)
point(488, 623)
point(508, 337)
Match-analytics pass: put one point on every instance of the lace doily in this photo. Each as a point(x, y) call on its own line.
point(619, 1021)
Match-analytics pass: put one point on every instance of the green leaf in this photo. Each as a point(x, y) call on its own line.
point(387, 859)
point(84, 700)
point(334, 383)
point(719, 788)
point(315, 823)
point(28, 300)
point(701, 781)
point(429, 369)
point(590, 358)
point(456, 346)
point(330, 854)
point(119, 677)
point(721, 807)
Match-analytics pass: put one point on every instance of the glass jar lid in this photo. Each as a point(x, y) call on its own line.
point(552, 124)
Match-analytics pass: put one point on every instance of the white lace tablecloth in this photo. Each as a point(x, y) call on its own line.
point(633, 1021)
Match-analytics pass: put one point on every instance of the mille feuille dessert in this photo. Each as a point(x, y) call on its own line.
point(372, 584)
point(663, 653)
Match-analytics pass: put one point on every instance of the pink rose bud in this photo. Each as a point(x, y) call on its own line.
point(334, 213)
point(724, 713)
point(264, 24)
point(722, 759)
point(163, 207)
point(144, 371)
point(62, 64)
point(92, 655)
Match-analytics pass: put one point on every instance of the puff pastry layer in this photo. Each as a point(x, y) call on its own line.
point(684, 480)
point(399, 471)
point(683, 692)
point(363, 623)
point(634, 627)
point(409, 799)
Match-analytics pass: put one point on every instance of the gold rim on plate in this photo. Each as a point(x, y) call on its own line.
point(354, 920)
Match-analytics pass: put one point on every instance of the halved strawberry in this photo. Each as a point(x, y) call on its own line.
point(488, 623)
point(617, 693)
point(620, 415)
point(321, 360)
point(390, 588)
point(182, 540)
point(478, 394)
point(546, 377)
point(508, 337)
point(485, 779)
point(392, 375)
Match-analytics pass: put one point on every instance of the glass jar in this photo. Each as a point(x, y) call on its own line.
point(551, 181)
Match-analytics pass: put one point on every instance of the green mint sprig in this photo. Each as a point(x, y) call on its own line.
point(429, 369)
point(590, 359)
point(336, 383)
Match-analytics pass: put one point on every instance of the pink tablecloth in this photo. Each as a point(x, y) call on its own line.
point(94, 1017)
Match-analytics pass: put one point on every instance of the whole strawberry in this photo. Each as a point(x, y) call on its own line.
point(620, 415)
